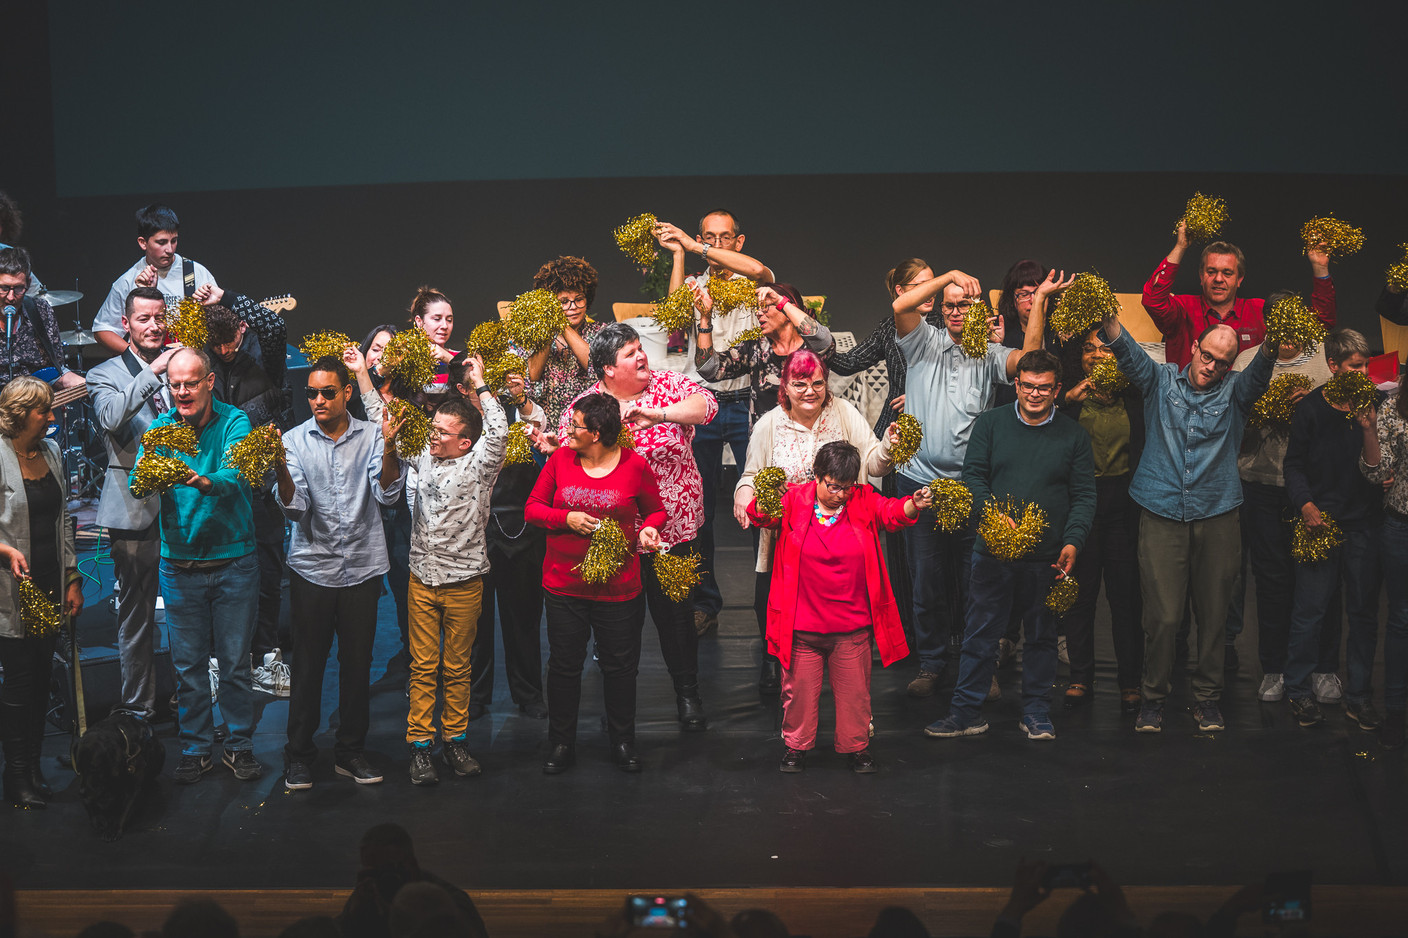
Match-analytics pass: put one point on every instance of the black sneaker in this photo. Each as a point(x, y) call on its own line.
point(533, 710)
point(456, 756)
point(422, 766)
point(863, 763)
point(1364, 715)
point(793, 760)
point(298, 776)
point(358, 769)
point(1306, 711)
point(190, 769)
point(1209, 717)
point(243, 764)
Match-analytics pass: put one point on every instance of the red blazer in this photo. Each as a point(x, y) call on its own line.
point(866, 513)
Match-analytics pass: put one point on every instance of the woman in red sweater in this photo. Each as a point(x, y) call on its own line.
point(830, 594)
point(586, 480)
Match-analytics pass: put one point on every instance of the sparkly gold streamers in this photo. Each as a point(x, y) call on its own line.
point(174, 437)
point(953, 503)
point(154, 474)
point(487, 340)
point(1004, 541)
point(605, 554)
point(626, 439)
point(324, 344)
point(1308, 547)
point(1352, 388)
point(498, 368)
point(1274, 408)
point(1105, 376)
point(1086, 303)
point(414, 434)
point(1289, 320)
point(768, 485)
point(407, 356)
point(534, 319)
point(1397, 274)
point(730, 294)
point(636, 239)
point(1063, 595)
point(255, 456)
point(677, 574)
point(519, 451)
point(747, 335)
point(675, 311)
point(910, 433)
point(1335, 237)
point(38, 612)
point(976, 330)
point(1205, 216)
point(187, 323)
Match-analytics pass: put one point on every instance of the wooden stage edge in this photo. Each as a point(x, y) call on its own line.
point(823, 912)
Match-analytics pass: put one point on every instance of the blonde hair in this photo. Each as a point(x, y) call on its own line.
point(20, 397)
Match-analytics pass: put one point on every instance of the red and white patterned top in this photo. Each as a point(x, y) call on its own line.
point(668, 448)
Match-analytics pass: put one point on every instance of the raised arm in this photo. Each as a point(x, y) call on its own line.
point(1035, 336)
point(735, 261)
point(906, 305)
point(1158, 289)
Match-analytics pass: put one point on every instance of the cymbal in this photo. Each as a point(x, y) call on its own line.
point(79, 337)
point(62, 297)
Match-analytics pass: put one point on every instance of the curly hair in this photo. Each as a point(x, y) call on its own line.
point(565, 274)
point(423, 298)
point(11, 221)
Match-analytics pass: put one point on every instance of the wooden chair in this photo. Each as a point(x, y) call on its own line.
point(624, 311)
point(503, 308)
point(1395, 338)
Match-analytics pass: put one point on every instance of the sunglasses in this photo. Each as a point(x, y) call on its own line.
point(327, 393)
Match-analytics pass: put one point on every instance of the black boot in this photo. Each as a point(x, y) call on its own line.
point(19, 790)
point(770, 678)
point(690, 707)
point(36, 752)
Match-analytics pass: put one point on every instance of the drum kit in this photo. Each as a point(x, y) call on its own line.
point(79, 436)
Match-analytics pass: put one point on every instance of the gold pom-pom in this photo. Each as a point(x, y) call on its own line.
point(953, 503)
point(1004, 541)
point(768, 485)
point(1274, 408)
point(408, 357)
point(1289, 320)
point(324, 345)
point(154, 474)
point(977, 329)
point(1105, 376)
point(677, 573)
point(1063, 595)
point(40, 614)
point(1086, 303)
point(675, 311)
point(747, 335)
point(414, 435)
point(255, 456)
point(636, 239)
point(1397, 274)
point(174, 437)
point(730, 294)
point(1205, 216)
point(1352, 388)
point(187, 323)
point(1335, 237)
point(499, 367)
point(534, 319)
point(626, 439)
point(487, 340)
point(605, 554)
point(1313, 548)
point(910, 433)
point(520, 450)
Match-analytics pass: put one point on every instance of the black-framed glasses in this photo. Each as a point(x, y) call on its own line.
point(1036, 390)
point(836, 489)
point(961, 307)
point(1218, 364)
point(1023, 294)
point(578, 426)
point(570, 303)
point(326, 393)
point(16, 289)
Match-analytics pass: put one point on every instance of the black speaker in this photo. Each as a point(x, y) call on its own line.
point(102, 686)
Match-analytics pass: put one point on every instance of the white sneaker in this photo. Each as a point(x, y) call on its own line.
point(271, 677)
point(1062, 655)
point(1273, 687)
point(1326, 687)
point(214, 680)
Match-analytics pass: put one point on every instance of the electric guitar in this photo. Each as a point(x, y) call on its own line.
point(280, 304)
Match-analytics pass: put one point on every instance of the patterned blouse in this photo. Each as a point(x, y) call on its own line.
point(29, 353)
point(756, 359)
point(1393, 450)
point(881, 345)
point(563, 379)
point(667, 447)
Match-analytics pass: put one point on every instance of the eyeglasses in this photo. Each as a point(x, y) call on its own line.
point(1023, 294)
point(438, 432)
point(187, 385)
point(578, 426)
point(801, 387)
point(568, 303)
point(17, 289)
point(327, 393)
point(961, 307)
point(718, 239)
point(835, 489)
point(1036, 390)
point(1218, 364)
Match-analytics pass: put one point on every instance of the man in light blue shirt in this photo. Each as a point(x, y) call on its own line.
point(329, 487)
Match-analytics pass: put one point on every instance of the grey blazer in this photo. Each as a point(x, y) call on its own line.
point(123, 403)
point(14, 527)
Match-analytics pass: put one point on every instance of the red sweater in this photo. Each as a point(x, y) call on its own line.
point(866, 512)
point(628, 494)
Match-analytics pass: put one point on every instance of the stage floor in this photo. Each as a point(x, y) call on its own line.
point(711, 809)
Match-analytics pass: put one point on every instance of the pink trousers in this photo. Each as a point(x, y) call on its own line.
point(848, 655)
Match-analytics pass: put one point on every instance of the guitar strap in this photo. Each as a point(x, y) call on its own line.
point(41, 335)
point(188, 276)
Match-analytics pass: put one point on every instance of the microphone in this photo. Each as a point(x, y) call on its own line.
point(9, 320)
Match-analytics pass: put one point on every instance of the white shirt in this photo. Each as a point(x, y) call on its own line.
point(727, 327)
point(171, 283)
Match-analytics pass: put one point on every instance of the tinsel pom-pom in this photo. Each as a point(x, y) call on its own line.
point(154, 474)
point(255, 456)
point(1334, 236)
point(1105, 376)
point(730, 294)
point(534, 319)
point(174, 437)
point(499, 367)
point(40, 614)
point(677, 574)
point(977, 329)
point(187, 323)
point(1397, 274)
point(1063, 595)
point(1205, 216)
point(768, 485)
point(1086, 303)
point(1274, 407)
point(1352, 388)
point(520, 450)
point(636, 239)
point(487, 340)
point(407, 357)
point(1004, 541)
point(676, 311)
point(324, 344)
point(605, 554)
point(1289, 320)
point(414, 435)
point(1313, 548)
point(910, 433)
point(953, 503)
point(626, 439)
point(747, 335)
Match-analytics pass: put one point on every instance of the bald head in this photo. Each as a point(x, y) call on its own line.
point(192, 384)
point(190, 359)
point(1213, 355)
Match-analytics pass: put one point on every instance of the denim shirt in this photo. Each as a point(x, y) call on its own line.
point(1189, 468)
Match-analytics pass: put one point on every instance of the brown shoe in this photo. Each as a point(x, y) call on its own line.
point(1077, 695)
point(994, 691)
point(924, 685)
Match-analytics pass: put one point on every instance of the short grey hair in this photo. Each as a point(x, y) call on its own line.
point(607, 344)
point(206, 364)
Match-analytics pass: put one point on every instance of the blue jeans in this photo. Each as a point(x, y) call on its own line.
point(210, 614)
point(1395, 561)
point(1357, 564)
point(939, 567)
point(996, 589)
point(730, 425)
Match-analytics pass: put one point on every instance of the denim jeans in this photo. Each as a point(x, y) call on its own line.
point(1357, 564)
point(939, 566)
point(995, 589)
point(210, 614)
point(730, 425)
point(1395, 560)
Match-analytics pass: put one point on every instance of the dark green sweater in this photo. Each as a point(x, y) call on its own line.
point(1049, 465)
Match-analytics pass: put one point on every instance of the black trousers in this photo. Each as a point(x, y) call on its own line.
point(319, 613)
point(513, 588)
point(674, 621)
point(1111, 553)
point(269, 546)
point(616, 626)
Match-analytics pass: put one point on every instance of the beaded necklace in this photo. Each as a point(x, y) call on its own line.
point(826, 521)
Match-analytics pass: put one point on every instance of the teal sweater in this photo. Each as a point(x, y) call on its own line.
point(218, 526)
point(1050, 466)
